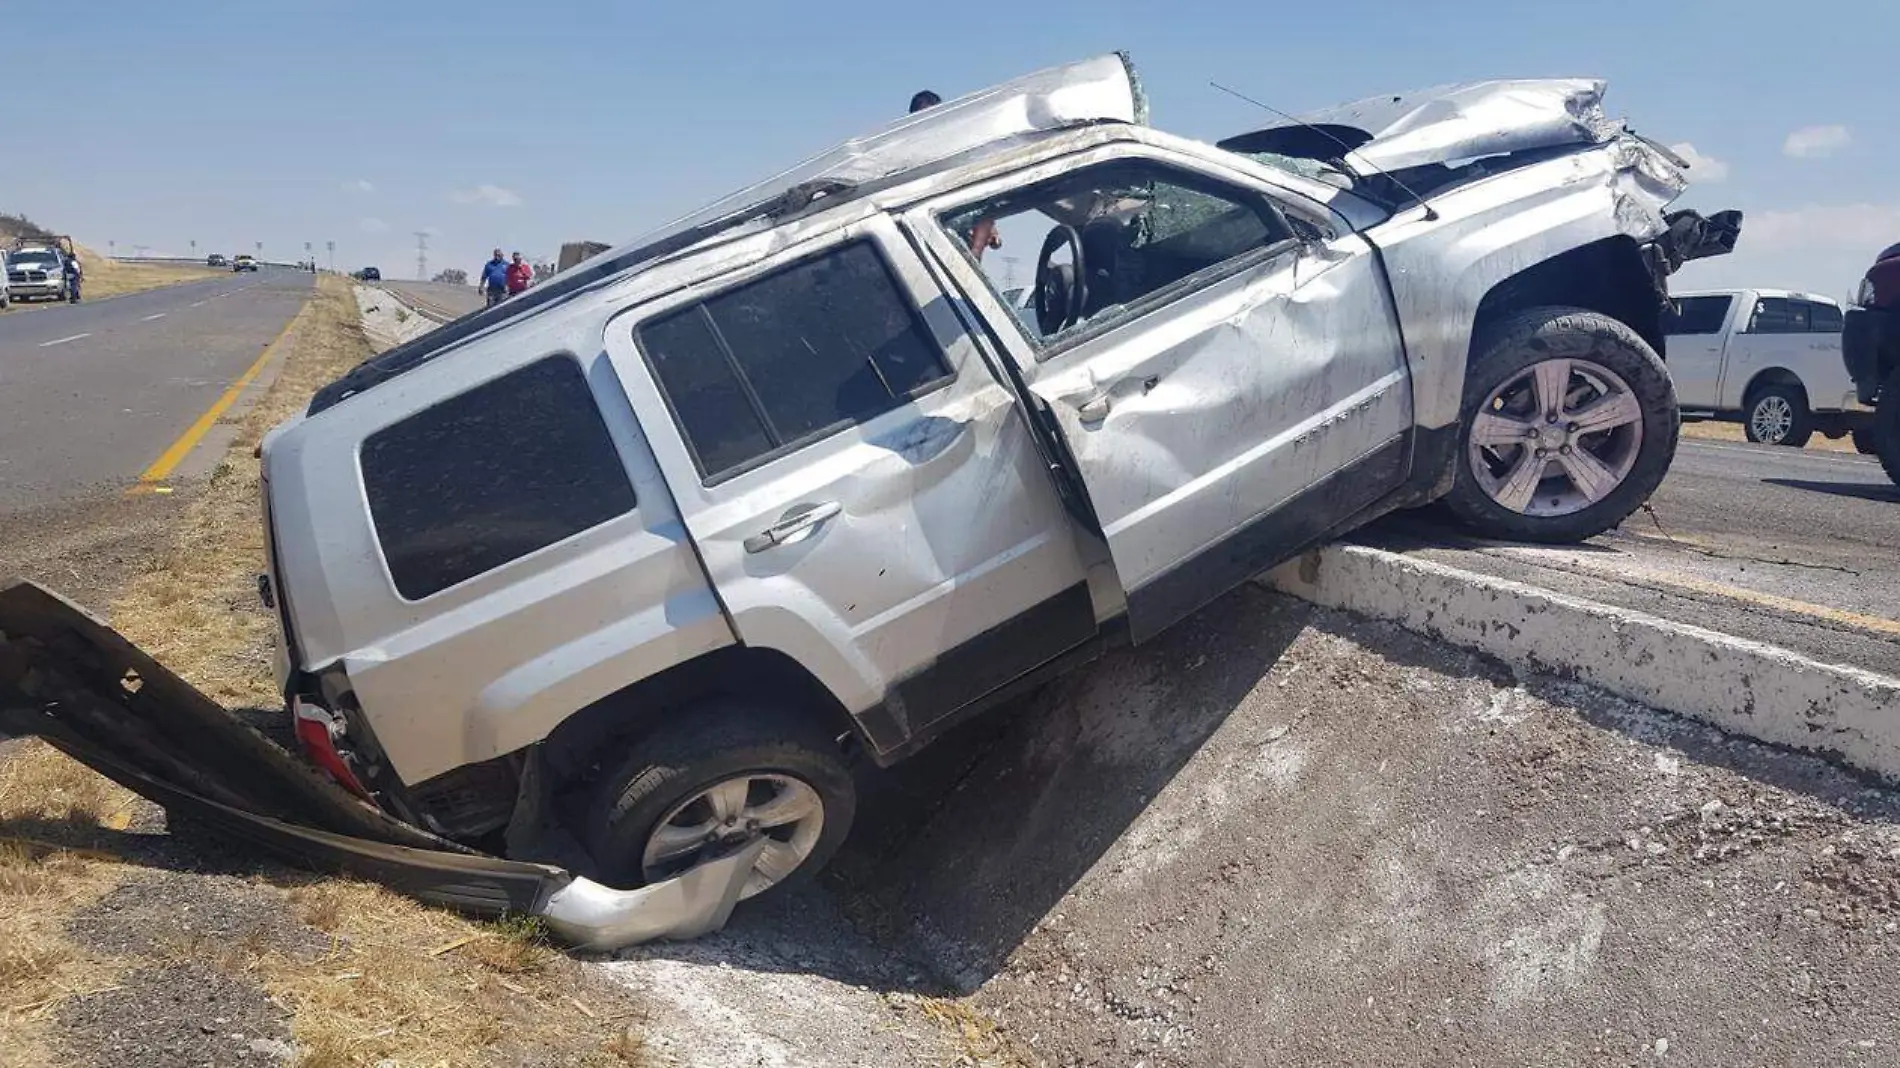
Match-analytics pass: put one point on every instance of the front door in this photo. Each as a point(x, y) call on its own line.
point(1224, 366)
point(1695, 332)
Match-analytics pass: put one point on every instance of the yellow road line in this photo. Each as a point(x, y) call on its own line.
point(169, 460)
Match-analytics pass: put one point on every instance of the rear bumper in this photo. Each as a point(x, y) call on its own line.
point(1867, 333)
point(87, 691)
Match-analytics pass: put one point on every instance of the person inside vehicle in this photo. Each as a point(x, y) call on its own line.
point(494, 280)
point(983, 235)
point(520, 276)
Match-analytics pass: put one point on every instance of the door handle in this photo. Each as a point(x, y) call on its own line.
point(795, 522)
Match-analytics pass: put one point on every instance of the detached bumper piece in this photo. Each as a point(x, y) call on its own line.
point(1693, 236)
point(70, 679)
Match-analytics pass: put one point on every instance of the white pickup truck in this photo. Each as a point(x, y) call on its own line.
point(1769, 359)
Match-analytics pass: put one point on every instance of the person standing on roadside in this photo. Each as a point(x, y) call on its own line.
point(494, 280)
point(520, 276)
point(74, 274)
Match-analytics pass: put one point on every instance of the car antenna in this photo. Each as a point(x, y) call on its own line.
point(1431, 213)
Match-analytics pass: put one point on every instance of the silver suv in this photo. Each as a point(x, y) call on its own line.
point(650, 555)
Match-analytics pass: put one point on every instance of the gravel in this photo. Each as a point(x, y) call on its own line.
point(174, 1016)
point(159, 912)
point(1335, 842)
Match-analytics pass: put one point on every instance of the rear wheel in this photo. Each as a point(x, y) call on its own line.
point(1777, 414)
point(720, 776)
point(1570, 423)
point(1864, 442)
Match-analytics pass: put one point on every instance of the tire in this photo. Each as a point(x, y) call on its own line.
point(1864, 442)
point(665, 782)
point(1777, 414)
point(1885, 433)
point(1606, 360)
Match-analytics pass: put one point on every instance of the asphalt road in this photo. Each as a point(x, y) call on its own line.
point(92, 394)
point(1796, 548)
point(437, 300)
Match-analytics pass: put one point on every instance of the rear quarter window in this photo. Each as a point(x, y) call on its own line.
point(491, 475)
point(1825, 319)
point(780, 361)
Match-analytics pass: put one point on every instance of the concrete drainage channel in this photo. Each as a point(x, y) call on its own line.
point(1290, 834)
point(1740, 686)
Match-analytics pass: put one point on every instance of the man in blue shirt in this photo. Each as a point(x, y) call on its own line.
point(494, 280)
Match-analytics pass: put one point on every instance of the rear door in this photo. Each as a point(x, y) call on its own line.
point(1774, 334)
point(1221, 362)
point(864, 494)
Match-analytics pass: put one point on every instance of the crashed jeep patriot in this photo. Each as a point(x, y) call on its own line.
point(629, 571)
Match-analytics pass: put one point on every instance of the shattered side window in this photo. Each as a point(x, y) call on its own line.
point(1092, 244)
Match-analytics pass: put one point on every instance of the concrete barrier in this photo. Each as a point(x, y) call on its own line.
point(1743, 687)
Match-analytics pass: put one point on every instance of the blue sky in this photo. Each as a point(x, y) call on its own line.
point(234, 121)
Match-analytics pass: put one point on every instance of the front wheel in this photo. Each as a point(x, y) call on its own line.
point(1777, 414)
point(1569, 424)
point(719, 776)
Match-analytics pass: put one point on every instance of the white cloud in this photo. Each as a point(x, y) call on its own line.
point(1832, 226)
point(493, 196)
point(372, 225)
point(1812, 142)
point(361, 185)
point(1701, 168)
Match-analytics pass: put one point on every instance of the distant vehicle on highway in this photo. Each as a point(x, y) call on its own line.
point(36, 269)
point(216, 259)
point(369, 274)
point(244, 263)
point(1769, 359)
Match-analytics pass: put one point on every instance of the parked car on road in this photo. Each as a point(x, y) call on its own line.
point(243, 263)
point(37, 271)
point(1769, 359)
point(1870, 349)
point(652, 553)
point(216, 260)
point(369, 274)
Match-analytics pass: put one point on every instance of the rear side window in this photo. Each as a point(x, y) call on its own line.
point(1824, 319)
point(1779, 315)
point(1697, 315)
point(489, 476)
point(788, 358)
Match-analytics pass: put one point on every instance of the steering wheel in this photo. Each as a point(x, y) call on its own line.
point(1061, 289)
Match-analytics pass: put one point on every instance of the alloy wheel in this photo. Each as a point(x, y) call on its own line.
point(1556, 437)
point(785, 811)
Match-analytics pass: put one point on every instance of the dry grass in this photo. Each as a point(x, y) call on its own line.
point(39, 967)
point(401, 981)
point(195, 608)
point(1711, 431)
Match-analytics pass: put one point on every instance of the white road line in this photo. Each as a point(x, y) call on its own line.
point(197, 303)
point(62, 341)
point(149, 318)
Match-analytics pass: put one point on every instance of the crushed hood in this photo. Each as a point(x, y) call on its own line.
point(1443, 124)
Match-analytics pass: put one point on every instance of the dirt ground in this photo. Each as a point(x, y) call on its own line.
point(1713, 431)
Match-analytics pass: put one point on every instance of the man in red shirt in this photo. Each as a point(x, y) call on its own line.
point(520, 276)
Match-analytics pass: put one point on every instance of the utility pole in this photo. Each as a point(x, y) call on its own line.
point(260, 249)
point(330, 247)
point(194, 248)
point(112, 248)
point(422, 255)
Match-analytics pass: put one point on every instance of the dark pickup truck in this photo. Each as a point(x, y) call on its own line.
point(1870, 344)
